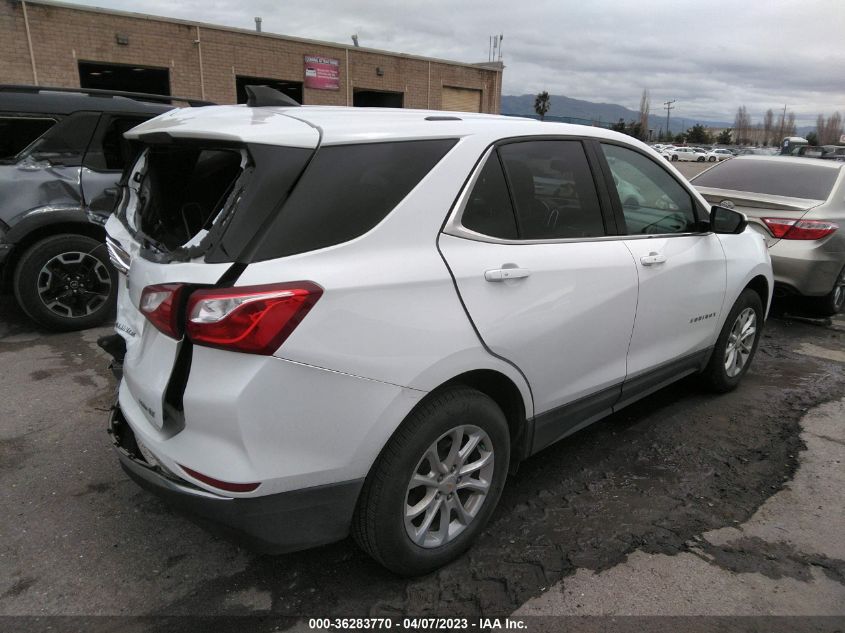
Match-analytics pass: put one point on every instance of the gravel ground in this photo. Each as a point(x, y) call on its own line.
point(80, 538)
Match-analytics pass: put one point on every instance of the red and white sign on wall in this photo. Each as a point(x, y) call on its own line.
point(322, 73)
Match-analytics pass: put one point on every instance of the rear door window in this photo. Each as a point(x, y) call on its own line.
point(552, 189)
point(16, 132)
point(345, 191)
point(109, 151)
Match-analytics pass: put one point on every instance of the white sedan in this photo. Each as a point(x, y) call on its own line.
point(718, 154)
point(685, 153)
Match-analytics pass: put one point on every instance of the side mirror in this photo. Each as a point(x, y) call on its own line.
point(727, 221)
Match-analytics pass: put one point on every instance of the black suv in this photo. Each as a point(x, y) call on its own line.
point(62, 153)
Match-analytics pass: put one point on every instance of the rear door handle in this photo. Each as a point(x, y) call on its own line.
point(500, 274)
point(652, 258)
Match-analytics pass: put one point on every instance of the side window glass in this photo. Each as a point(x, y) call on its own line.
point(553, 190)
point(114, 151)
point(18, 132)
point(488, 210)
point(653, 202)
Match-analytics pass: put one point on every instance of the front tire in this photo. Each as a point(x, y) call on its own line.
point(674, 158)
point(435, 484)
point(737, 343)
point(66, 282)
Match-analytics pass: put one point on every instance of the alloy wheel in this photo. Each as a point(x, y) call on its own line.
point(740, 342)
point(74, 284)
point(448, 486)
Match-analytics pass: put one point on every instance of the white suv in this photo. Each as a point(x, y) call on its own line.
point(360, 320)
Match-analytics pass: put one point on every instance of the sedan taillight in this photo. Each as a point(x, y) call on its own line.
point(250, 319)
point(787, 229)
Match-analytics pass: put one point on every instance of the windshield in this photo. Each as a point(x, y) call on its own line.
point(771, 177)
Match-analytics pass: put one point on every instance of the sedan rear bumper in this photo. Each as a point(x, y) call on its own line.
point(276, 523)
point(808, 267)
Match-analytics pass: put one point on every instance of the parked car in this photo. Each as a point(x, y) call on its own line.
point(798, 205)
point(686, 154)
point(63, 152)
point(361, 320)
point(719, 154)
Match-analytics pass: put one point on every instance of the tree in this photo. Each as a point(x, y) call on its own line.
point(812, 138)
point(829, 131)
point(768, 122)
point(742, 125)
point(680, 138)
point(542, 103)
point(619, 126)
point(644, 110)
point(789, 129)
point(697, 134)
point(724, 137)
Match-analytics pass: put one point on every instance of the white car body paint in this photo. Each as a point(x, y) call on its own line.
point(391, 327)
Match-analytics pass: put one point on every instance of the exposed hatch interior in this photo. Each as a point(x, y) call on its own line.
point(176, 192)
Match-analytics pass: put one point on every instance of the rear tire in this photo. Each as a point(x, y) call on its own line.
point(735, 348)
point(832, 303)
point(66, 282)
point(389, 523)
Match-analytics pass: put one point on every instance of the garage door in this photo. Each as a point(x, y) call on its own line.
point(461, 99)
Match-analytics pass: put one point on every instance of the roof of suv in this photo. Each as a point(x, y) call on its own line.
point(306, 126)
point(62, 101)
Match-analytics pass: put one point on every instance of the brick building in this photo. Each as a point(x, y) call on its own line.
point(53, 44)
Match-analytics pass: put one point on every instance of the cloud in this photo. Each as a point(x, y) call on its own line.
point(711, 56)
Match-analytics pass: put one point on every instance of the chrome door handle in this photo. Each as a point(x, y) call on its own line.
point(652, 258)
point(500, 274)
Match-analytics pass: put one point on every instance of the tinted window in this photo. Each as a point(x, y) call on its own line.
point(653, 202)
point(346, 190)
point(110, 151)
point(18, 132)
point(771, 177)
point(553, 190)
point(65, 143)
point(488, 210)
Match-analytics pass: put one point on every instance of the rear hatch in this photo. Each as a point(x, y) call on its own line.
point(192, 208)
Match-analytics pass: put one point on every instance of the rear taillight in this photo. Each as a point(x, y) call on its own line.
point(250, 319)
point(160, 304)
point(787, 229)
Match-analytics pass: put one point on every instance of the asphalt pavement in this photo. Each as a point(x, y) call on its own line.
point(685, 502)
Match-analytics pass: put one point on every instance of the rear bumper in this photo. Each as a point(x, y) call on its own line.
point(807, 267)
point(276, 523)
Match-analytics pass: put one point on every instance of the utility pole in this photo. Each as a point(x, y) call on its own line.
point(782, 123)
point(668, 105)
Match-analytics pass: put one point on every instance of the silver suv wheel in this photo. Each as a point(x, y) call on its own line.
point(449, 486)
point(740, 342)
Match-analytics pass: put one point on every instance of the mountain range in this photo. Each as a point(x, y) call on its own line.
point(588, 111)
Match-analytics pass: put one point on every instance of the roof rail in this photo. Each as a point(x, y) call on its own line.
point(97, 92)
point(258, 96)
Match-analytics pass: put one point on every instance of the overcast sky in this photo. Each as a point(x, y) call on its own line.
point(710, 55)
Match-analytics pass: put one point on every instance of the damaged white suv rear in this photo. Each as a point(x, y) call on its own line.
point(359, 321)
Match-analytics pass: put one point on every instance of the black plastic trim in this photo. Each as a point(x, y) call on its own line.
point(275, 523)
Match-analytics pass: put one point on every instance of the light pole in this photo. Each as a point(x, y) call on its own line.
point(668, 105)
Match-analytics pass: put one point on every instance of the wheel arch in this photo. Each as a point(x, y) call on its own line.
point(760, 285)
point(42, 231)
point(505, 393)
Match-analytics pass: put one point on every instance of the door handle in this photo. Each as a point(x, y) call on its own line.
point(652, 258)
point(500, 274)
